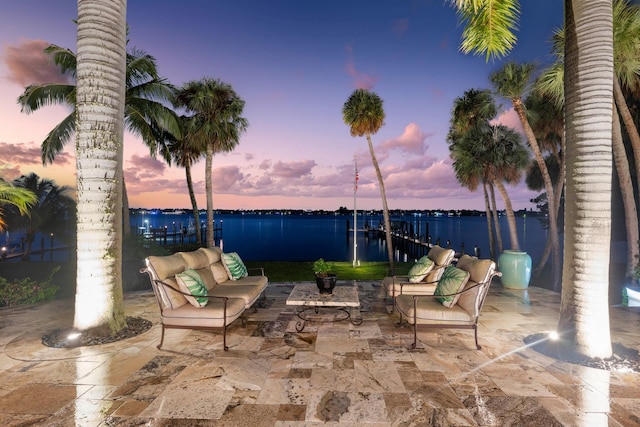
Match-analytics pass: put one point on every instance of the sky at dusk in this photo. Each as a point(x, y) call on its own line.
point(295, 63)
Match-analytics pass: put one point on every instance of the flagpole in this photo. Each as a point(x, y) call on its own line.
point(355, 217)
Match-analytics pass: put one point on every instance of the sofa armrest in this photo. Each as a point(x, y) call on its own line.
point(256, 269)
point(166, 285)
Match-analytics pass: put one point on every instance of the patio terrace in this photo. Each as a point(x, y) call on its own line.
point(329, 374)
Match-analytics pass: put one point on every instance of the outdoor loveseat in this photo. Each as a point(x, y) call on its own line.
point(203, 289)
point(457, 301)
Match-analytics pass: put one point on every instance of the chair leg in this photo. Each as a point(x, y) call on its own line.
point(475, 332)
point(415, 335)
point(161, 338)
point(224, 336)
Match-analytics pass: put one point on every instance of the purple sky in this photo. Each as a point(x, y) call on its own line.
point(294, 63)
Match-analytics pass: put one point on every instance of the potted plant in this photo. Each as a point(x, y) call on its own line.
point(325, 279)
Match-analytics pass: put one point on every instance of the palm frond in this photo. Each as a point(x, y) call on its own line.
point(489, 26)
point(63, 58)
point(59, 136)
point(36, 96)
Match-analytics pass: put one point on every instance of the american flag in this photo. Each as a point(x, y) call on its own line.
point(355, 188)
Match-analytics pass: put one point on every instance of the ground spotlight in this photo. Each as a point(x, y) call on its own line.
point(554, 336)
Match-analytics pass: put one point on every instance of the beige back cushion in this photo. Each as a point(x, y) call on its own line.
point(441, 256)
point(479, 272)
point(219, 272)
point(167, 266)
point(479, 269)
point(214, 254)
point(196, 259)
point(207, 277)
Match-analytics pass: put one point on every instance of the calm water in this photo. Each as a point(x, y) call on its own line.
point(281, 237)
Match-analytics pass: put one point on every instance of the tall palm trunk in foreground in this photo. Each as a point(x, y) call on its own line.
point(584, 312)
point(100, 129)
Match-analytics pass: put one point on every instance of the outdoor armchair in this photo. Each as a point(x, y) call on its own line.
point(460, 308)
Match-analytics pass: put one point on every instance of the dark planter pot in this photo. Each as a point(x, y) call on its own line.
point(326, 284)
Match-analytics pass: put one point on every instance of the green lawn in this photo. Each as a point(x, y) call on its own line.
point(284, 271)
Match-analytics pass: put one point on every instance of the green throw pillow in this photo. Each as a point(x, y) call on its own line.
point(420, 269)
point(452, 281)
point(191, 282)
point(234, 266)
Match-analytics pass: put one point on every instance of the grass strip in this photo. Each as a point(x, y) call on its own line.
point(301, 271)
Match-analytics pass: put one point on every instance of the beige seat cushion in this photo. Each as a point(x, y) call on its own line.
point(430, 311)
point(395, 285)
point(212, 315)
point(248, 293)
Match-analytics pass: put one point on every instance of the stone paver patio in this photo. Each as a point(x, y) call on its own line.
point(329, 374)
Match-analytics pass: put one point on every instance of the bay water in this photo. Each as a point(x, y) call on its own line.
point(279, 236)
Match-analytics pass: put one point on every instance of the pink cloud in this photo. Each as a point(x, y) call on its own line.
point(146, 166)
point(293, 169)
point(9, 172)
point(28, 64)
point(510, 119)
point(225, 178)
point(27, 154)
point(265, 164)
point(360, 80)
point(411, 141)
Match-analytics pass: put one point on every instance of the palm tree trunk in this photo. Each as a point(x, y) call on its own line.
point(208, 166)
point(126, 218)
point(588, 79)
point(630, 125)
point(194, 203)
point(385, 208)
point(518, 106)
point(626, 189)
point(496, 219)
point(487, 207)
point(511, 218)
point(100, 129)
point(559, 191)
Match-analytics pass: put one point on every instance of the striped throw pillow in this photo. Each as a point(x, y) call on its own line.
point(190, 281)
point(234, 266)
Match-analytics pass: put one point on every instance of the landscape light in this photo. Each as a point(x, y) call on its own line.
point(554, 336)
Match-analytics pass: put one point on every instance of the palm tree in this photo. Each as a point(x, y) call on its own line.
point(511, 82)
point(215, 126)
point(547, 121)
point(364, 115)
point(100, 104)
point(584, 316)
point(626, 33)
point(184, 153)
point(11, 196)
point(473, 108)
point(146, 116)
point(53, 204)
point(492, 154)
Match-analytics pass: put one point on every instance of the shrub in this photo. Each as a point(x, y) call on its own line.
point(27, 291)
